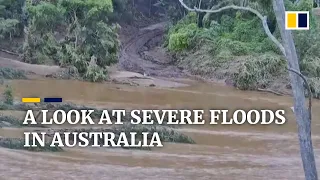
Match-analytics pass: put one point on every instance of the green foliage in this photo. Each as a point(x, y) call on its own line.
point(10, 121)
point(259, 71)
point(314, 83)
point(102, 42)
point(308, 42)
point(248, 30)
point(302, 5)
point(11, 9)
point(237, 48)
point(86, 11)
point(39, 49)
point(69, 33)
point(264, 3)
point(181, 35)
point(123, 10)
point(182, 39)
point(45, 16)
point(10, 16)
point(9, 73)
point(173, 9)
point(17, 143)
point(95, 74)
point(240, 37)
point(310, 66)
point(166, 134)
point(227, 23)
point(7, 27)
point(8, 96)
point(307, 46)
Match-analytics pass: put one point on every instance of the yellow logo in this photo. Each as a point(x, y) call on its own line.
point(297, 20)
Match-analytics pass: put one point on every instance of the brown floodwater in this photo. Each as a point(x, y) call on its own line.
point(222, 152)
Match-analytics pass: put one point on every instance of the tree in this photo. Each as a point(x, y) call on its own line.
point(9, 18)
point(302, 114)
point(70, 33)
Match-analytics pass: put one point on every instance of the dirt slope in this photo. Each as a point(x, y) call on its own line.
point(156, 64)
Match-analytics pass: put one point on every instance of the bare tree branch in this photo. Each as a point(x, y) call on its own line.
point(308, 88)
point(9, 52)
point(212, 8)
point(263, 19)
point(270, 91)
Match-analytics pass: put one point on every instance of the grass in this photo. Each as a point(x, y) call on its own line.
point(10, 73)
point(166, 134)
point(259, 71)
point(10, 121)
point(18, 143)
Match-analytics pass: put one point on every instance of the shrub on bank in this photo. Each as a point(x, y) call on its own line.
point(8, 97)
point(10, 73)
point(10, 121)
point(18, 143)
point(95, 74)
point(259, 71)
point(69, 33)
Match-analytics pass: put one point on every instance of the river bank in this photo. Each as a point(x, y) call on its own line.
point(142, 62)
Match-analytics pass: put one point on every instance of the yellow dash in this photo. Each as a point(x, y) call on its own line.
point(292, 20)
point(31, 100)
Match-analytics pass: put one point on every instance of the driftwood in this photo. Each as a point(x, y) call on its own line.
point(10, 52)
point(270, 91)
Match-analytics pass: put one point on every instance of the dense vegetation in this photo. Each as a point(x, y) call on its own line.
point(78, 33)
point(68, 33)
point(232, 44)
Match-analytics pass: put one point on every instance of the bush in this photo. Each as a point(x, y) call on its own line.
point(259, 71)
point(248, 30)
point(178, 41)
point(314, 84)
point(83, 29)
point(237, 48)
point(95, 74)
point(9, 73)
point(8, 97)
point(310, 66)
point(17, 143)
point(227, 23)
point(9, 121)
point(182, 38)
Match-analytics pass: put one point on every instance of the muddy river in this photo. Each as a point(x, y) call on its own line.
point(222, 152)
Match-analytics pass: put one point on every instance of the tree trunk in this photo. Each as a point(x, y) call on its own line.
point(199, 18)
point(24, 14)
point(302, 116)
